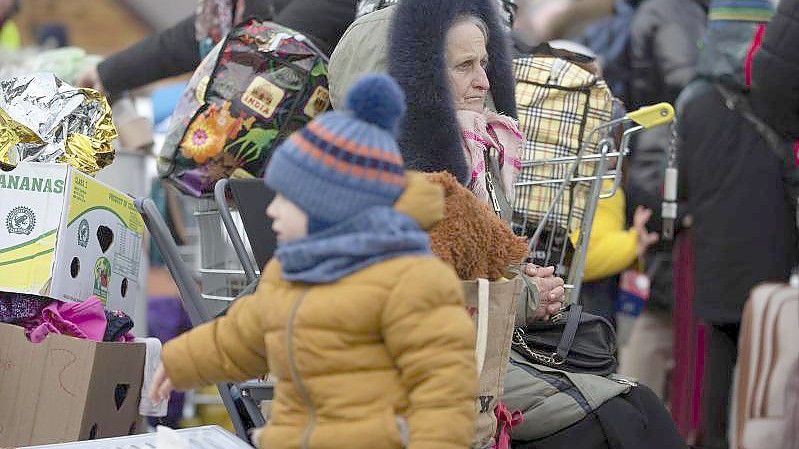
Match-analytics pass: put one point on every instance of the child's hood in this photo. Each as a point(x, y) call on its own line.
point(422, 200)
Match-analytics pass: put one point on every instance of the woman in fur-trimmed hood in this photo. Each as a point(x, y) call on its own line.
point(418, 60)
point(419, 43)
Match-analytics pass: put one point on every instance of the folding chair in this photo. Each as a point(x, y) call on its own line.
point(251, 197)
point(248, 394)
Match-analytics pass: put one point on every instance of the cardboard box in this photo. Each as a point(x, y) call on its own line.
point(66, 389)
point(67, 236)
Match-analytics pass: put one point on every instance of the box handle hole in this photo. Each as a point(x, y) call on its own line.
point(120, 393)
point(105, 236)
point(74, 268)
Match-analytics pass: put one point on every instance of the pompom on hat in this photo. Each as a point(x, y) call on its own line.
point(344, 161)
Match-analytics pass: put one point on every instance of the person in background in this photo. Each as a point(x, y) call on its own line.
point(613, 247)
point(546, 20)
point(664, 37)
point(449, 125)
point(365, 330)
point(9, 34)
point(179, 49)
point(743, 222)
point(609, 38)
point(775, 71)
point(416, 54)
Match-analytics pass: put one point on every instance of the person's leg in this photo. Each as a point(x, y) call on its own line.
point(721, 353)
point(587, 433)
point(598, 298)
point(639, 419)
point(648, 354)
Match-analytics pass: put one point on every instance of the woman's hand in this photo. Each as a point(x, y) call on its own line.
point(162, 387)
point(91, 78)
point(645, 238)
point(550, 290)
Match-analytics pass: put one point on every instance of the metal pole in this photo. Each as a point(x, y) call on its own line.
point(233, 233)
point(576, 274)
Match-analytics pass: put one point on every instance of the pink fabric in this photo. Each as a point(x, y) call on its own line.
point(489, 130)
point(506, 420)
point(77, 319)
point(689, 344)
point(796, 154)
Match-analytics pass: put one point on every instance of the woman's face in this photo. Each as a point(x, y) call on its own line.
point(466, 62)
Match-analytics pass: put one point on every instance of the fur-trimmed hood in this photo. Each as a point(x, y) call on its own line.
point(429, 135)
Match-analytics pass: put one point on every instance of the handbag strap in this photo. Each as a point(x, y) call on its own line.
point(482, 323)
point(569, 332)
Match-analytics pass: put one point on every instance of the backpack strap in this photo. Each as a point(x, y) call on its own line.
point(739, 104)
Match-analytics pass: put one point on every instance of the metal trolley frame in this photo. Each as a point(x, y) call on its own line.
point(644, 118)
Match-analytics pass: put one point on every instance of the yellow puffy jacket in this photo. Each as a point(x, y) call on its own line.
point(9, 36)
point(611, 248)
point(359, 362)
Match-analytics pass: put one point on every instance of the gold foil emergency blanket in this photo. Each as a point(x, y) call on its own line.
point(43, 119)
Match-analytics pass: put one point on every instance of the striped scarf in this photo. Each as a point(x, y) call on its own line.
point(497, 134)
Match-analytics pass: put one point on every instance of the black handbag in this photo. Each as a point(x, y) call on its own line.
point(580, 342)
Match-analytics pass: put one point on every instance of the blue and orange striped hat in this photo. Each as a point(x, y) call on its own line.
point(344, 161)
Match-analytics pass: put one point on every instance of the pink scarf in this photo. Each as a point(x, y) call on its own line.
point(489, 130)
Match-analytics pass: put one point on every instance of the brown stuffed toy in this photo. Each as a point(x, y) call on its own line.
point(471, 237)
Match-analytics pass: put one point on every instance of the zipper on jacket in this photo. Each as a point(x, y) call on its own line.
point(295, 374)
point(492, 195)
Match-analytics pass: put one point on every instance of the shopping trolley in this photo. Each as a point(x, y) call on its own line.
point(587, 171)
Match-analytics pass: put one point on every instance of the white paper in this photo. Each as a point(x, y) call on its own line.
point(152, 359)
point(167, 438)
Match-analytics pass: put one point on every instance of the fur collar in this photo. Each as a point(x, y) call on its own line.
point(429, 136)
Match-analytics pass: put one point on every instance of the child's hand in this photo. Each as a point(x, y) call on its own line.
point(162, 386)
point(645, 238)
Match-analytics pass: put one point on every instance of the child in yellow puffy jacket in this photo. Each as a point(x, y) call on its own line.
point(612, 248)
point(363, 328)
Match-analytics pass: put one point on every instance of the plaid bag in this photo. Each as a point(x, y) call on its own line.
point(559, 103)
point(260, 84)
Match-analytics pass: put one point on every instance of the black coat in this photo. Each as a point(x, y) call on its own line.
point(775, 71)
point(174, 51)
point(663, 49)
point(744, 225)
point(663, 54)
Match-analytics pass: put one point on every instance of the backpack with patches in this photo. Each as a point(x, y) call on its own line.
point(255, 87)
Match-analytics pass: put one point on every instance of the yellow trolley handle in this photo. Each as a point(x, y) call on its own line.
point(653, 116)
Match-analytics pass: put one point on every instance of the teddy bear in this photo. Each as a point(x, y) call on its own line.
point(471, 238)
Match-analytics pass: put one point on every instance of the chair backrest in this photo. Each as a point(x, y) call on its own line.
point(252, 198)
